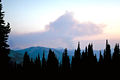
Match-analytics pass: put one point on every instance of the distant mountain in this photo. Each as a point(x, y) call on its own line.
point(33, 52)
point(15, 56)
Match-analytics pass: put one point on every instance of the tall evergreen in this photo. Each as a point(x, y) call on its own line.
point(85, 56)
point(65, 62)
point(107, 54)
point(4, 47)
point(32, 66)
point(91, 57)
point(78, 52)
point(116, 55)
point(26, 62)
point(38, 63)
point(101, 58)
point(76, 61)
point(44, 63)
point(52, 62)
point(90, 50)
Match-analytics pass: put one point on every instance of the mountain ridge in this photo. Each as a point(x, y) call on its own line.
point(33, 52)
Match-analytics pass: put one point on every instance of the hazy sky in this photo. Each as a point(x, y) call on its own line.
point(62, 23)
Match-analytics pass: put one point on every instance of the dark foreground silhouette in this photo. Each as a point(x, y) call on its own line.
point(81, 61)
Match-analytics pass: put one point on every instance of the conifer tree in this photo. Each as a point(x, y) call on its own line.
point(38, 64)
point(76, 61)
point(4, 47)
point(101, 58)
point(52, 62)
point(44, 63)
point(78, 52)
point(65, 62)
point(85, 56)
point(116, 55)
point(107, 54)
point(91, 57)
point(32, 65)
point(26, 62)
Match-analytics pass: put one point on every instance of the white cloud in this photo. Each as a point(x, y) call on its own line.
point(66, 25)
point(60, 33)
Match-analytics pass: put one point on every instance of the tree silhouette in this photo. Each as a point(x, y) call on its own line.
point(91, 57)
point(65, 62)
point(116, 55)
point(80, 63)
point(101, 58)
point(85, 56)
point(52, 62)
point(44, 63)
point(38, 64)
point(32, 66)
point(76, 61)
point(107, 54)
point(4, 47)
point(26, 63)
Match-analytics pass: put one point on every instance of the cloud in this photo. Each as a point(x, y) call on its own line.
point(66, 25)
point(59, 33)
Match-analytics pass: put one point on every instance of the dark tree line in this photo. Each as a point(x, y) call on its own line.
point(84, 60)
point(79, 62)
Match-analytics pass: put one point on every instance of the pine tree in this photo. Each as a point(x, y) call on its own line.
point(107, 54)
point(85, 56)
point(76, 61)
point(38, 64)
point(4, 47)
point(26, 62)
point(44, 63)
point(91, 57)
point(32, 65)
point(90, 50)
point(52, 62)
point(65, 62)
point(101, 58)
point(116, 55)
point(78, 53)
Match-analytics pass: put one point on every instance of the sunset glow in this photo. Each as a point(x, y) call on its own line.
point(43, 18)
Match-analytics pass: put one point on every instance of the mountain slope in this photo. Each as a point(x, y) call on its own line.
point(33, 52)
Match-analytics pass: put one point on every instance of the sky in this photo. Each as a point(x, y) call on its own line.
point(62, 23)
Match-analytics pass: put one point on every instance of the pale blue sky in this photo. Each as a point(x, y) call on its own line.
point(31, 16)
point(44, 11)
